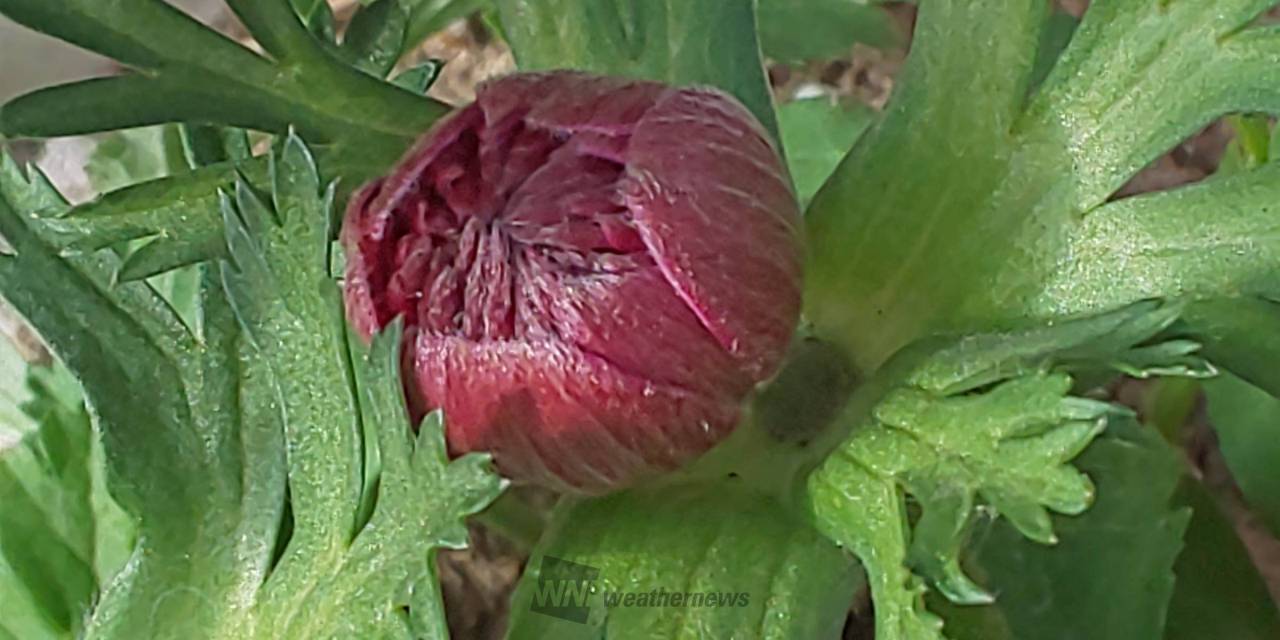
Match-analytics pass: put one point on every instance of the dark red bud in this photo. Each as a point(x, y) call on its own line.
point(593, 273)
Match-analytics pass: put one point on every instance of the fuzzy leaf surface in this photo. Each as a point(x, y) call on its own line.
point(1074, 589)
point(686, 539)
point(982, 420)
point(210, 431)
point(972, 206)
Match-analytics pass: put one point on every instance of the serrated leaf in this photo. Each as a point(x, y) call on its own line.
point(685, 539)
point(880, 542)
point(984, 418)
point(279, 284)
point(28, 189)
point(421, 501)
point(174, 464)
point(184, 203)
point(1078, 589)
point(206, 438)
point(1109, 339)
point(89, 325)
point(179, 217)
point(681, 42)
point(794, 30)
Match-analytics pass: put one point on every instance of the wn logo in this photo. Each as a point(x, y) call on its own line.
point(563, 589)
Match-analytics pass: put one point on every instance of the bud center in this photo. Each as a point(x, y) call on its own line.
point(499, 218)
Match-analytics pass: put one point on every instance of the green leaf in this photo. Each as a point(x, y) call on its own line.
point(61, 537)
point(816, 135)
point(1115, 573)
point(1247, 421)
point(1242, 334)
point(986, 417)
point(1054, 38)
point(359, 572)
point(879, 536)
point(375, 36)
point(1219, 591)
point(282, 27)
point(180, 216)
point(28, 188)
point(175, 465)
point(1139, 111)
point(317, 16)
point(87, 324)
point(204, 145)
point(131, 156)
point(421, 502)
point(207, 436)
point(683, 539)
point(681, 42)
point(420, 78)
point(1111, 576)
point(897, 209)
point(1111, 339)
point(966, 202)
point(277, 281)
point(1219, 237)
point(794, 30)
point(188, 73)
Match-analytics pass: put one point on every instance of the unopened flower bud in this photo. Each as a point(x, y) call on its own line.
point(593, 273)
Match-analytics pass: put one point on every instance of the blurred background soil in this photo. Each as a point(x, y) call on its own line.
point(477, 581)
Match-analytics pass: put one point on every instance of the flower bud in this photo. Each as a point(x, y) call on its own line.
point(593, 273)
